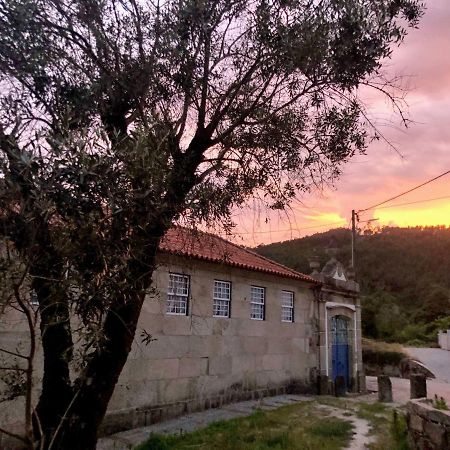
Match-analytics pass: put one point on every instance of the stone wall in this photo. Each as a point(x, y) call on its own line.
point(428, 427)
point(199, 358)
point(198, 361)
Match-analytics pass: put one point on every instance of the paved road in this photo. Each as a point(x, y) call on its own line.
point(436, 359)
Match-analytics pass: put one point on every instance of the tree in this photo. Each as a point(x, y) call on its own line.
point(121, 117)
point(436, 303)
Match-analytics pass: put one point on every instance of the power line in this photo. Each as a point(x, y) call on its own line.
point(406, 192)
point(289, 229)
point(418, 201)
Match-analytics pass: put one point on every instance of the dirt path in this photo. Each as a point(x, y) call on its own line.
point(361, 427)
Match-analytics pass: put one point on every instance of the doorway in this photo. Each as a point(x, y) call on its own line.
point(340, 350)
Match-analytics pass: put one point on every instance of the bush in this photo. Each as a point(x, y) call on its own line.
point(382, 353)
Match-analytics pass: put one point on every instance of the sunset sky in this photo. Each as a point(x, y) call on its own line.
point(424, 149)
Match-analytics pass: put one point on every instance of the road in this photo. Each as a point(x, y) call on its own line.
point(436, 359)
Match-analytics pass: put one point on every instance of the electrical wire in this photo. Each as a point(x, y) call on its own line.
point(414, 203)
point(404, 193)
point(289, 229)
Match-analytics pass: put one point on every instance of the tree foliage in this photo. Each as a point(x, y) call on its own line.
point(120, 117)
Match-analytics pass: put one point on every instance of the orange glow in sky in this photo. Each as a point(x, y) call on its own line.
point(423, 152)
point(437, 214)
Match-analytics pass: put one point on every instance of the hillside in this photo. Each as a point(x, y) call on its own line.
point(404, 275)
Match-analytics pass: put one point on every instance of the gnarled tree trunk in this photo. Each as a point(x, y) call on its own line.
point(72, 420)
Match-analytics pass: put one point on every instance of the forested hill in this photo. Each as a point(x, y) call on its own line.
point(404, 275)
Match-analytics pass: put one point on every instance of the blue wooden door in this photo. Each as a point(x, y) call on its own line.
point(340, 349)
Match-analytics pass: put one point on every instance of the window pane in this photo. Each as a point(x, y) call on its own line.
point(176, 304)
point(257, 311)
point(257, 299)
point(222, 290)
point(177, 294)
point(286, 314)
point(287, 306)
point(287, 298)
point(257, 295)
point(221, 298)
point(221, 308)
point(178, 284)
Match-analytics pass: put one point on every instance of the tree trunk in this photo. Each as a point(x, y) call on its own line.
point(57, 345)
point(78, 428)
point(94, 393)
point(56, 385)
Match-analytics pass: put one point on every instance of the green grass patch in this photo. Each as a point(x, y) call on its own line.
point(331, 428)
point(396, 437)
point(388, 425)
point(291, 427)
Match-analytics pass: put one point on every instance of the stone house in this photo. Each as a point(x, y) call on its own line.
point(228, 324)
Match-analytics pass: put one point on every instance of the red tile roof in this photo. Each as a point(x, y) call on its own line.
point(209, 247)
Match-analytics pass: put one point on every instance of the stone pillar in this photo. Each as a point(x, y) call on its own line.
point(340, 389)
point(361, 376)
point(418, 386)
point(322, 385)
point(384, 389)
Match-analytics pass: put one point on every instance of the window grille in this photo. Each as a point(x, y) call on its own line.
point(221, 298)
point(257, 299)
point(287, 306)
point(177, 294)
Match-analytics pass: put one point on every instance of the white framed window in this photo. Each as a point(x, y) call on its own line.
point(287, 306)
point(221, 298)
point(177, 294)
point(257, 300)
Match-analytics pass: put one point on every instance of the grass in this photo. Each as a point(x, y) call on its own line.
point(293, 427)
point(301, 426)
point(388, 425)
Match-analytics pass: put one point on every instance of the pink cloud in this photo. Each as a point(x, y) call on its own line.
point(424, 146)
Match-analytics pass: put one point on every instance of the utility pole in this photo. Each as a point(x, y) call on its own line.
point(353, 238)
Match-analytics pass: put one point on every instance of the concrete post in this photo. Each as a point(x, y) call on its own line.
point(384, 389)
point(418, 386)
point(361, 382)
point(322, 385)
point(340, 389)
